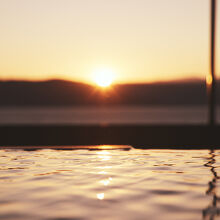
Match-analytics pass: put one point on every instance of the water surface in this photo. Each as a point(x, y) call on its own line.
point(109, 184)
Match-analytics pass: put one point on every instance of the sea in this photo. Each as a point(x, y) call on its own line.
point(113, 182)
point(106, 115)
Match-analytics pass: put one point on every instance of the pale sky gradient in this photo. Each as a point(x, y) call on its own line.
point(141, 40)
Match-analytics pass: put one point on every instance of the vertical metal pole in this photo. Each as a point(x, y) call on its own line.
point(210, 80)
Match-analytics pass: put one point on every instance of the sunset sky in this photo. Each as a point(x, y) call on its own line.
point(138, 40)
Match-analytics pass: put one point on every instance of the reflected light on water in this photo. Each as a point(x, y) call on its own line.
point(104, 167)
point(144, 184)
point(106, 181)
point(103, 152)
point(108, 147)
point(102, 172)
point(100, 196)
point(104, 155)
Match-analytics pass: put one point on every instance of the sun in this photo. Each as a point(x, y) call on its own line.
point(103, 77)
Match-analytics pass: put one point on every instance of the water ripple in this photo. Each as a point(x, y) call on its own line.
point(110, 184)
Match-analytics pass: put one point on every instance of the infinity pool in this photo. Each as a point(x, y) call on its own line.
point(109, 184)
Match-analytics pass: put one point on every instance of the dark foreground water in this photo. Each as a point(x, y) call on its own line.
point(109, 184)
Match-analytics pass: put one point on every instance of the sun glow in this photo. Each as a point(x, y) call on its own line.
point(103, 77)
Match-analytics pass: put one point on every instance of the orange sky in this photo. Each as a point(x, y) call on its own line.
point(139, 40)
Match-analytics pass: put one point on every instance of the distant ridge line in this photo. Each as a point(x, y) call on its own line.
point(68, 93)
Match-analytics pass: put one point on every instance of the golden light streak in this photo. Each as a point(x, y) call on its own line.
point(100, 196)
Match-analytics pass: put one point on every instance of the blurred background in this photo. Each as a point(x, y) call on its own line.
point(108, 62)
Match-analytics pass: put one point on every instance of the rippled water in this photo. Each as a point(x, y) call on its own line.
point(109, 184)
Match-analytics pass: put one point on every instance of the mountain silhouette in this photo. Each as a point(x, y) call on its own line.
point(68, 93)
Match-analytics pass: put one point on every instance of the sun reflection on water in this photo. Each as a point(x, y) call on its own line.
point(106, 157)
point(106, 182)
point(103, 152)
point(100, 196)
point(148, 184)
point(103, 172)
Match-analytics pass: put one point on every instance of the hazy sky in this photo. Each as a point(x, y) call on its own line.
point(141, 40)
